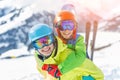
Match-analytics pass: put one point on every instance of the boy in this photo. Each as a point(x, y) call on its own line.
point(53, 57)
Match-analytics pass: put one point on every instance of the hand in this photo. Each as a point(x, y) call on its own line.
point(45, 67)
point(52, 70)
point(87, 78)
point(48, 67)
point(55, 72)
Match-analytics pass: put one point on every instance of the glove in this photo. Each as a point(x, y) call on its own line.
point(55, 72)
point(45, 67)
point(52, 70)
point(48, 67)
point(87, 78)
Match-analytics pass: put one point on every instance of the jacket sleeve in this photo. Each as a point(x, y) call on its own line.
point(76, 58)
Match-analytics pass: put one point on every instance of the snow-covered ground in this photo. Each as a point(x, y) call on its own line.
point(108, 58)
point(18, 69)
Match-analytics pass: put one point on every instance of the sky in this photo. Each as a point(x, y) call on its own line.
point(35, 3)
point(100, 4)
point(101, 7)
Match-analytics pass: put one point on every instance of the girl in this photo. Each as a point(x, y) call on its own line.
point(66, 27)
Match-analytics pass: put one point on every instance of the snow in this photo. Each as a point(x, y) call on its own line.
point(21, 68)
point(18, 69)
point(27, 11)
point(107, 58)
point(18, 21)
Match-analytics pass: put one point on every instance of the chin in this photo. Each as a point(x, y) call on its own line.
point(47, 54)
point(67, 37)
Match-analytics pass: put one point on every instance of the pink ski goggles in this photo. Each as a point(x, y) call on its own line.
point(65, 25)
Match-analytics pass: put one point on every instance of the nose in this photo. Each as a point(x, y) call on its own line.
point(46, 47)
point(66, 30)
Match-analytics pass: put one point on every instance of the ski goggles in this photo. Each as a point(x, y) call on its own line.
point(65, 25)
point(42, 42)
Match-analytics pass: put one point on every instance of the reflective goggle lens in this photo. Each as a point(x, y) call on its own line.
point(66, 25)
point(45, 41)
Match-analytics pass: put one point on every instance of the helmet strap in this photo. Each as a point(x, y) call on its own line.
point(56, 46)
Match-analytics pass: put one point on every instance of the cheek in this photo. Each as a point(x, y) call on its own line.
point(52, 46)
point(71, 32)
point(62, 33)
point(40, 51)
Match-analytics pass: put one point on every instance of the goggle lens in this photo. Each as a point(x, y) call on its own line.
point(66, 25)
point(45, 41)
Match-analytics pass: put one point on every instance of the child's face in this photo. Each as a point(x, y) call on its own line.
point(47, 50)
point(44, 45)
point(66, 28)
point(67, 34)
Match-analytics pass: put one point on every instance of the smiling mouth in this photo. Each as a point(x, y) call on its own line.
point(66, 33)
point(46, 50)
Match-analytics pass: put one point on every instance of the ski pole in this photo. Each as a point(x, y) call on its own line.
point(94, 37)
point(88, 27)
